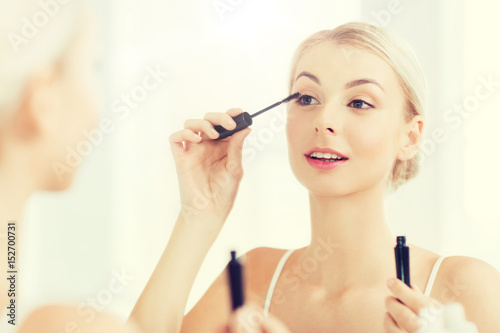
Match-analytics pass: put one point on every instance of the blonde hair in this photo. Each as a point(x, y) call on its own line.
point(34, 34)
point(398, 55)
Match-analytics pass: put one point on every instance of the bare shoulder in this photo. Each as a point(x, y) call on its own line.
point(260, 265)
point(213, 309)
point(469, 275)
point(475, 284)
point(63, 318)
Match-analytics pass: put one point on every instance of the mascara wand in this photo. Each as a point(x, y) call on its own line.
point(243, 120)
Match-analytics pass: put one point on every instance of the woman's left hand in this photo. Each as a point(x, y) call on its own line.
point(249, 319)
point(403, 307)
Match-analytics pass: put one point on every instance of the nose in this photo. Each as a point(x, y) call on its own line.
point(326, 129)
point(324, 124)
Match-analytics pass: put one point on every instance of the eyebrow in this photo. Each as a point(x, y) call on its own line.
point(309, 75)
point(348, 85)
point(359, 82)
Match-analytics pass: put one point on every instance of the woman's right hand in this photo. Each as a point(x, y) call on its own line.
point(209, 171)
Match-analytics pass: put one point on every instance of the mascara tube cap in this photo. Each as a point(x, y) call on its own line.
point(235, 282)
point(243, 120)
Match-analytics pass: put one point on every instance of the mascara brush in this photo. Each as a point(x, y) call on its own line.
point(243, 120)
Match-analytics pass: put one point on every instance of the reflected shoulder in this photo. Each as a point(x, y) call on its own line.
point(63, 318)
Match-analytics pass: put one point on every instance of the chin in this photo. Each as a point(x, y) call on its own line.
point(61, 183)
point(325, 190)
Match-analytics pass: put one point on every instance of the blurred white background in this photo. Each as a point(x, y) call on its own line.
point(216, 54)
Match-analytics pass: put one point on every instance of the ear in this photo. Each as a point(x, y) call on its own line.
point(34, 113)
point(411, 138)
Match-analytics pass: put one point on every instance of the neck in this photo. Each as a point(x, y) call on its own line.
point(350, 241)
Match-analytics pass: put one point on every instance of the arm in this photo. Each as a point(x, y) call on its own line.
point(161, 306)
point(213, 309)
point(209, 173)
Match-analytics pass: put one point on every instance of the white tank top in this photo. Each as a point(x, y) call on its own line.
point(288, 253)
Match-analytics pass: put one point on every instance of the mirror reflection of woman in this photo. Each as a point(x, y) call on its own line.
point(47, 102)
point(363, 104)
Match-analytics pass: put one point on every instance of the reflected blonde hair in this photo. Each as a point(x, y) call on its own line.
point(34, 34)
point(398, 55)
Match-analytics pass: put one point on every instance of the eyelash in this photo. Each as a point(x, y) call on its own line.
point(360, 100)
point(300, 102)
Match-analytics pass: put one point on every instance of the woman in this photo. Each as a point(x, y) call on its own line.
point(46, 102)
point(354, 133)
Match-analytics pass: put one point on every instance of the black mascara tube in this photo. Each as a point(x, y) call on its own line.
point(402, 253)
point(235, 271)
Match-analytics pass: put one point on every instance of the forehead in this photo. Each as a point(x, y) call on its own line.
point(337, 64)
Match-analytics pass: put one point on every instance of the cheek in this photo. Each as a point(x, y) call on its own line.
point(296, 131)
point(76, 117)
point(292, 130)
point(373, 144)
point(83, 106)
point(87, 98)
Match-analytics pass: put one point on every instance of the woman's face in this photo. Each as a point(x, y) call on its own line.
point(354, 106)
point(74, 114)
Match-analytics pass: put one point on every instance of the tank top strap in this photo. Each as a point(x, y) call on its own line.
point(274, 280)
point(432, 277)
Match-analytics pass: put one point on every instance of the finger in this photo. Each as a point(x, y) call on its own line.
point(201, 125)
point(223, 119)
point(244, 320)
point(234, 112)
point(410, 297)
point(235, 151)
point(176, 139)
point(417, 289)
point(390, 325)
point(402, 315)
point(273, 325)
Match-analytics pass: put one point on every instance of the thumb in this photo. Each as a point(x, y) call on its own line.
point(273, 325)
point(234, 153)
point(244, 320)
point(416, 288)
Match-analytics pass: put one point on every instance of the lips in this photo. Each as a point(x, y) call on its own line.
point(324, 150)
point(325, 158)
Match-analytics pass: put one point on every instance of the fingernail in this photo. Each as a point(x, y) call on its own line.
point(390, 282)
point(214, 132)
point(230, 123)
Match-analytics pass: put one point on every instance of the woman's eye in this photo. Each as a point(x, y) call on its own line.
point(307, 100)
point(360, 104)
